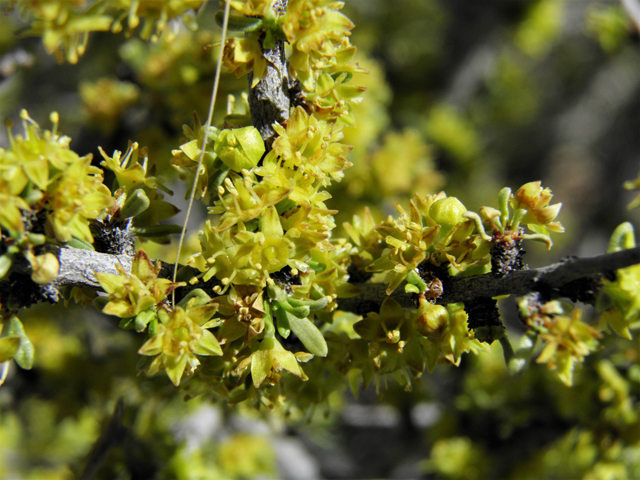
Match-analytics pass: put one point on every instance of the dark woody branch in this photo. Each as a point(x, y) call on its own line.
point(269, 101)
point(78, 268)
point(551, 281)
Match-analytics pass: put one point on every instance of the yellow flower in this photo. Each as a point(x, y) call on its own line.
point(64, 25)
point(105, 100)
point(78, 196)
point(315, 29)
point(242, 55)
point(312, 147)
point(179, 338)
point(10, 213)
point(535, 200)
point(456, 340)
point(246, 200)
point(272, 250)
point(568, 340)
point(244, 257)
point(332, 99)
point(156, 14)
point(408, 240)
point(130, 294)
point(269, 360)
point(252, 8)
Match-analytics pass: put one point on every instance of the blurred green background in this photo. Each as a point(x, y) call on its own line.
point(464, 96)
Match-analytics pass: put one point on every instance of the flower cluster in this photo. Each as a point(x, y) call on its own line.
point(137, 196)
point(136, 296)
point(65, 26)
point(434, 231)
point(319, 37)
point(619, 300)
point(179, 338)
point(439, 231)
point(104, 101)
point(311, 147)
point(405, 343)
point(322, 58)
point(529, 207)
point(567, 338)
point(47, 191)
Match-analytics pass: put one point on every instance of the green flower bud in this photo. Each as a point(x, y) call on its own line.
point(432, 320)
point(447, 211)
point(240, 148)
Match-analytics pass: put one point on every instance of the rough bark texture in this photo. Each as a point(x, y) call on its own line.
point(269, 100)
point(78, 267)
point(550, 281)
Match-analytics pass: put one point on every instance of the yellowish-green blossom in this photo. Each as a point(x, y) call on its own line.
point(39, 171)
point(311, 146)
point(243, 55)
point(567, 338)
point(132, 293)
point(316, 30)
point(105, 100)
point(179, 339)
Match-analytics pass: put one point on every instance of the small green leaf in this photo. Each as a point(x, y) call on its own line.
point(152, 231)
point(24, 355)
point(309, 335)
point(137, 203)
point(622, 238)
point(300, 312)
point(143, 319)
point(503, 203)
point(282, 321)
point(78, 243)
point(314, 305)
point(200, 295)
point(408, 288)
point(128, 323)
point(5, 264)
point(238, 22)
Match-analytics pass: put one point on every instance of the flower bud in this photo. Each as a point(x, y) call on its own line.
point(432, 320)
point(447, 211)
point(240, 148)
